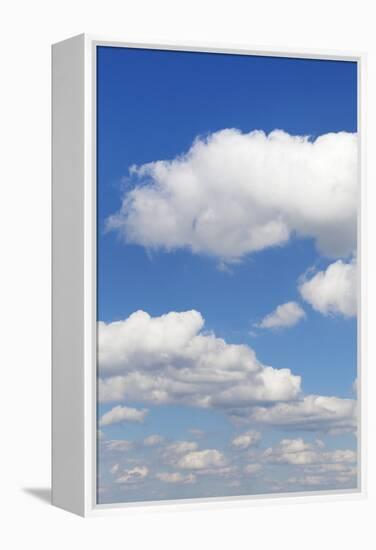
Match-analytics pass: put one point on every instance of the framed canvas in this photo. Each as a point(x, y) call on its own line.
point(208, 296)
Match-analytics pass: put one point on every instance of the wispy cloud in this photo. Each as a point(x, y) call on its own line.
point(285, 315)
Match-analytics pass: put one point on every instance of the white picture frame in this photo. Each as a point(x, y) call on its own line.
point(74, 401)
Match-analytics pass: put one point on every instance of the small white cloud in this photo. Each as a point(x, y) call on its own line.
point(123, 414)
point(285, 315)
point(176, 477)
point(246, 440)
point(119, 445)
point(153, 440)
point(199, 460)
point(114, 469)
point(333, 291)
point(181, 447)
point(133, 475)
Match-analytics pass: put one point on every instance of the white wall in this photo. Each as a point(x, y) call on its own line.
point(27, 30)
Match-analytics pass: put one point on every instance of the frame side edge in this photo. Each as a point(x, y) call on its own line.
point(68, 469)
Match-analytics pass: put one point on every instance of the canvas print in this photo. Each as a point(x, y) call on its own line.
point(227, 189)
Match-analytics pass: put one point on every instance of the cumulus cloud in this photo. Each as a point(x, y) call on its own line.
point(176, 477)
point(133, 475)
point(200, 460)
point(232, 194)
point(170, 359)
point(181, 447)
point(333, 291)
point(299, 452)
point(123, 414)
point(285, 315)
point(246, 440)
point(174, 451)
point(312, 412)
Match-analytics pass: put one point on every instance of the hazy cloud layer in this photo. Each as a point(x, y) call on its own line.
point(232, 194)
point(289, 463)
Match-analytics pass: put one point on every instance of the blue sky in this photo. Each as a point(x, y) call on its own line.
point(152, 105)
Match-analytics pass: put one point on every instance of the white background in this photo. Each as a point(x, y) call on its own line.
point(27, 30)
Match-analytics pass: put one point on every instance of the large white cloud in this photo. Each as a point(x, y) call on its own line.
point(285, 315)
point(169, 359)
point(333, 291)
point(232, 194)
point(144, 341)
